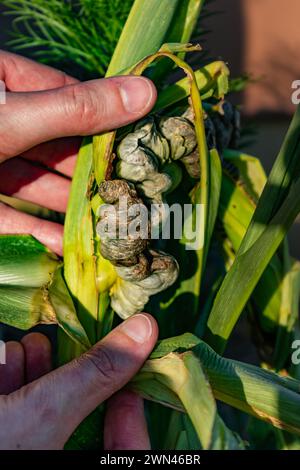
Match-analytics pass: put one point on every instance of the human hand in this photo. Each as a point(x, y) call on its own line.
point(45, 412)
point(44, 109)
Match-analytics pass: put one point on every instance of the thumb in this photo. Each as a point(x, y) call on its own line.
point(28, 119)
point(63, 398)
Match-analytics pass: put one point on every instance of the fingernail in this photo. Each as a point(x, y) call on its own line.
point(136, 94)
point(138, 327)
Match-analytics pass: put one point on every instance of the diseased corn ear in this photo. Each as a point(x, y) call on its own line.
point(147, 159)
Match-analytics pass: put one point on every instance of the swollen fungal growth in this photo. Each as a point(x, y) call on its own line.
point(148, 168)
point(116, 243)
point(180, 134)
point(145, 155)
point(142, 272)
point(133, 288)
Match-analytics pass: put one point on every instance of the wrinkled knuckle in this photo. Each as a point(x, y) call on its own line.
point(103, 363)
point(82, 103)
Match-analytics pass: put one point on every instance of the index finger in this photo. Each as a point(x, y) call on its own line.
point(22, 74)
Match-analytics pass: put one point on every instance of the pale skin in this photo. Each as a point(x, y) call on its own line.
point(44, 110)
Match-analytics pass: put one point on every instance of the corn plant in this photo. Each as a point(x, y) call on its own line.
point(185, 151)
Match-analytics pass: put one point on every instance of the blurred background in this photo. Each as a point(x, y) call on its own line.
point(261, 38)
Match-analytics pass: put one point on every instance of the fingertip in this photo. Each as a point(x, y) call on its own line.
point(154, 325)
point(36, 341)
point(14, 352)
point(38, 355)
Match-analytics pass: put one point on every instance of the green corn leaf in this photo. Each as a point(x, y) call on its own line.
point(246, 271)
point(66, 315)
point(283, 175)
point(146, 385)
point(180, 30)
point(25, 307)
point(32, 289)
point(187, 289)
point(236, 210)
point(176, 437)
point(251, 169)
point(240, 384)
point(215, 193)
point(182, 374)
point(79, 250)
point(185, 21)
point(235, 383)
point(181, 434)
point(278, 206)
point(289, 309)
point(25, 262)
point(26, 270)
point(87, 436)
point(143, 34)
point(175, 344)
point(211, 79)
